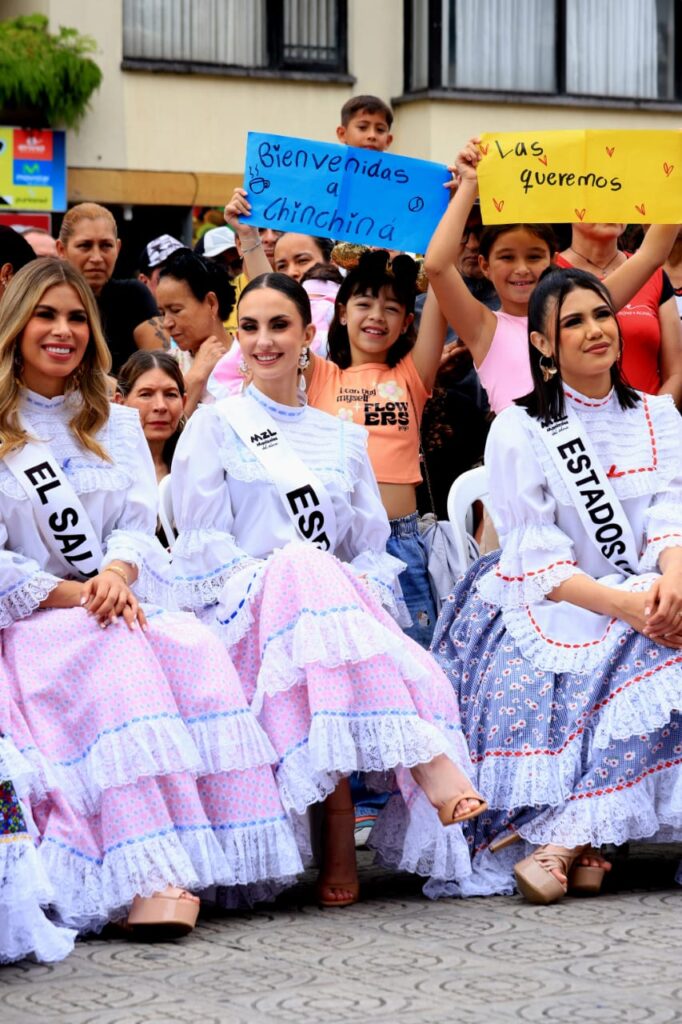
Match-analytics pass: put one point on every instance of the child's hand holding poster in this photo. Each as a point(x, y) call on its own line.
point(341, 192)
point(631, 177)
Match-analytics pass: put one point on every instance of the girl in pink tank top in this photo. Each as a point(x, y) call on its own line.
point(513, 257)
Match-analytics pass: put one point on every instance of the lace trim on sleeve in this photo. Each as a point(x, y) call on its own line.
point(513, 584)
point(21, 600)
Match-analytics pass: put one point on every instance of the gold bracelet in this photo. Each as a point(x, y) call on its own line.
point(119, 572)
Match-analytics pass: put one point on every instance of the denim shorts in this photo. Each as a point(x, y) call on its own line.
point(406, 544)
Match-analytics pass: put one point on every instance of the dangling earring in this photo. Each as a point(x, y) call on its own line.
point(303, 362)
point(242, 367)
point(548, 369)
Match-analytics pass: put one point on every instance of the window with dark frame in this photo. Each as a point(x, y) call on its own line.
point(626, 50)
point(253, 35)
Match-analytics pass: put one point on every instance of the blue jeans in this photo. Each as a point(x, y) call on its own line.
point(406, 544)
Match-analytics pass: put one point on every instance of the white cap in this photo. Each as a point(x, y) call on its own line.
point(217, 240)
point(159, 249)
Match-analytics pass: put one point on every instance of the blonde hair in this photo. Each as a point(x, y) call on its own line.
point(23, 294)
point(84, 211)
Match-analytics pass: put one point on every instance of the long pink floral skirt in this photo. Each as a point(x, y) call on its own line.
point(338, 688)
point(147, 766)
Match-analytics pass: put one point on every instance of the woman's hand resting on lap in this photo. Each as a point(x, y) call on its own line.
point(106, 596)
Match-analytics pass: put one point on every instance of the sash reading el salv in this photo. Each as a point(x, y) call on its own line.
point(62, 522)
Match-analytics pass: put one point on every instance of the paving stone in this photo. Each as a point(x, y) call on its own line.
point(396, 957)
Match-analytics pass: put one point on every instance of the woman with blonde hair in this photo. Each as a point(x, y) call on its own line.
point(88, 239)
point(125, 731)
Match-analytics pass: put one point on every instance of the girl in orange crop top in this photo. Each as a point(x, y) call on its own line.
point(380, 376)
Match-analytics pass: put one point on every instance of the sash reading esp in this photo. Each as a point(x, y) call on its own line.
point(599, 508)
point(62, 521)
point(303, 494)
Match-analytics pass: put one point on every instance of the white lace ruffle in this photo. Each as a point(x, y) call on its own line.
point(85, 471)
point(340, 744)
point(334, 449)
point(663, 524)
point(532, 780)
point(554, 657)
point(218, 557)
point(337, 637)
point(90, 893)
point(23, 599)
point(24, 890)
point(138, 749)
point(16, 768)
point(621, 437)
point(230, 742)
point(515, 581)
point(413, 839)
point(641, 708)
point(638, 812)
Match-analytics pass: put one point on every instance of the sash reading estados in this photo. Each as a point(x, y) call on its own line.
point(62, 521)
point(304, 496)
point(599, 508)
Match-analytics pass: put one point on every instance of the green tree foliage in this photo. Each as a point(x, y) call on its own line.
point(45, 78)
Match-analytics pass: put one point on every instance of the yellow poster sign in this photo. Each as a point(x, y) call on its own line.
point(631, 177)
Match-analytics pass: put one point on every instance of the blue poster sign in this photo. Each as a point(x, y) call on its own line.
point(341, 192)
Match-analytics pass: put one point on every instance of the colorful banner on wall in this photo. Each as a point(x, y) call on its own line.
point(32, 169)
point(341, 192)
point(631, 177)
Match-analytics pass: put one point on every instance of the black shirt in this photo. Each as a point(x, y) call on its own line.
point(123, 306)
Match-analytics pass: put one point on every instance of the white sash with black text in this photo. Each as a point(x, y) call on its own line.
point(62, 521)
point(303, 494)
point(599, 508)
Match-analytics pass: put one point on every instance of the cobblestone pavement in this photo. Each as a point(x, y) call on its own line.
point(396, 957)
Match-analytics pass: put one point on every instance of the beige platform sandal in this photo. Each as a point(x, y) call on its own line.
point(535, 878)
point(169, 914)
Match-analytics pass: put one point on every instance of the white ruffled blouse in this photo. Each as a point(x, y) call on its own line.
point(230, 516)
point(543, 539)
point(120, 498)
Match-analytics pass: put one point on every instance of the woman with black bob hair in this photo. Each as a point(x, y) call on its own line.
point(195, 296)
point(565, 648)
point(379, 375)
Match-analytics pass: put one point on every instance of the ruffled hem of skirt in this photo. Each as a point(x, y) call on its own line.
point(642, 706)
point(230, 741)
point(141, 748)
point(617, 814)
point(333, 637)
point(411, 838)
point(90, 892)
point(339, 744)
point(28, 772)
point(24, 929)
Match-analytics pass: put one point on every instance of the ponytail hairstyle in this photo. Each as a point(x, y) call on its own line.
point(19, 302)
point(201, 276)
point(546, 401)
point(375, 270)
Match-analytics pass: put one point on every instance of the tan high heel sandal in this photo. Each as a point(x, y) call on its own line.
point(171, 911)
point(447, 815)
point(534, 876)
point(585, 879)
point(352, 887)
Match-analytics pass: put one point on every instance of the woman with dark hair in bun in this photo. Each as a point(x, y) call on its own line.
point(281, 548)
point(380, 374)
point(195, 296)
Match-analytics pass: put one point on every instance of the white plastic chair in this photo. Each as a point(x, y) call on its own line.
point(465, 490)
point(166, 509)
